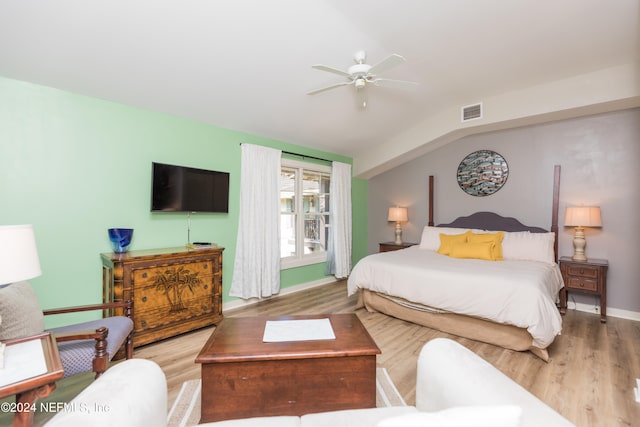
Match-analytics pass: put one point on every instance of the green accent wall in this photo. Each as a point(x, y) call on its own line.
point(74, 166)
point(360, 221)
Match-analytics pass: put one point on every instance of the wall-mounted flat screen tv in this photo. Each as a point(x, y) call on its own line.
point(184, 189)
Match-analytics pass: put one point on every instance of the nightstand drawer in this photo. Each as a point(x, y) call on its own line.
point(583, 271)
point(582, 283)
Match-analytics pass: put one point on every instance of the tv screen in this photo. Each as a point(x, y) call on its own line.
point(183, 189)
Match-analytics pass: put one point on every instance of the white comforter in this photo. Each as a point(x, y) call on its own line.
point(520, 293)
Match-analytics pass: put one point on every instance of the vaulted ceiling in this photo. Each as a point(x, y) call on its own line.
point(246, 64)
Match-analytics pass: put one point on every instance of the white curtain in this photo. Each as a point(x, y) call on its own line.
point(256, 271)
point(339, 248)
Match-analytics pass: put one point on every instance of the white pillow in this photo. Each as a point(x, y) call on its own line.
point(430, 239)
point(523, 245)
point(21, 312)
point(461, 416)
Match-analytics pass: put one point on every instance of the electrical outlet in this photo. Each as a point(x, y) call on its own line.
point(636, 391)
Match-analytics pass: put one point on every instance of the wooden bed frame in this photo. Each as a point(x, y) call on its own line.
point(507, 336)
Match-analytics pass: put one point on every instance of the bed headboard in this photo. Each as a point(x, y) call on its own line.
point(493, 221)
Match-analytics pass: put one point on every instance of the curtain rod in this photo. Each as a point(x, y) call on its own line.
point(304, 156)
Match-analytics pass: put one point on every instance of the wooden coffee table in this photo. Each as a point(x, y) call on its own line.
point(242, 376)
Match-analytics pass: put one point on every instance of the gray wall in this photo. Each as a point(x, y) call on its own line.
point(600, 157)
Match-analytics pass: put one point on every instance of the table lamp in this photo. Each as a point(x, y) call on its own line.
point(580, 217)
point(18, 259)
point(398, 215)
point(18, 254)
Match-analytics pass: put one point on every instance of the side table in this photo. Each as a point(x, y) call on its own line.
point(393, 246)
point(29, 387)
point(584, 276)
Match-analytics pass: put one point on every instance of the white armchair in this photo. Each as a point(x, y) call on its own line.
point(129, 394)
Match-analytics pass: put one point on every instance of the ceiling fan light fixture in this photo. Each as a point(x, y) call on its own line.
point(359, 70)
point(362, 73)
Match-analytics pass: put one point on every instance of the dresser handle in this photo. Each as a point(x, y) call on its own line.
point(144, 299)
point(144, 275)
point(144, 323)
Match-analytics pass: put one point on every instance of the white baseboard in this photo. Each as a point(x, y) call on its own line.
point(613, 312)
point(239, 303)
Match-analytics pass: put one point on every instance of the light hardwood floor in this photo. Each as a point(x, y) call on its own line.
point(589, 379)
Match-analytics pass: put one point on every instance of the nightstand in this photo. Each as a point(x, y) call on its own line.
point(584, 276)
point(392, 246)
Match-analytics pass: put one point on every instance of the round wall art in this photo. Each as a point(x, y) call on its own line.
point(482, 173)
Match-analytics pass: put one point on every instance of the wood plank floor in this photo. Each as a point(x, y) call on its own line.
point(589, 379)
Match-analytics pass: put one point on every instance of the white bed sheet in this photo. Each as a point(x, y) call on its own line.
point(520, 293)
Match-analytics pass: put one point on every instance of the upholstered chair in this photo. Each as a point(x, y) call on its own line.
point(83, 347)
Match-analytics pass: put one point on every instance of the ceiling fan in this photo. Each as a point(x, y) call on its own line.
point(362, 74)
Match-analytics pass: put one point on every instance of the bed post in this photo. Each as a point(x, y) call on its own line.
point(554, 211)
point(430, 201)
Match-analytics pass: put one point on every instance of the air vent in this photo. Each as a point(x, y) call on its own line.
point(472, 112)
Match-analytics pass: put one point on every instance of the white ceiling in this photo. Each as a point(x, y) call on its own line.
point(246, 64)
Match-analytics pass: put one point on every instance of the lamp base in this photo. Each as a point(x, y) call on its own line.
point(579, 243)
point(398, 240)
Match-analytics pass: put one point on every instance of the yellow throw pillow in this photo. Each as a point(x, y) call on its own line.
point(495, 238)
point(482, 251)
point(448, 240)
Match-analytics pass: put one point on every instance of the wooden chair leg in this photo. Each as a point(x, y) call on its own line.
point(129, 345)
point(129, 342)
point(101, 358)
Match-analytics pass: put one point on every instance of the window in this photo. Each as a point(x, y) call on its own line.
point(304, 213)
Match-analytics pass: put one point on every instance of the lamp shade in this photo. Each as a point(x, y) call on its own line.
point(398, 214)
point(18, 254)
point(583, 216)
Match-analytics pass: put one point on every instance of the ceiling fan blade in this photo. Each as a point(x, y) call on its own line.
point(402, 84)
point(386, 64)
point(313, 92)
point(331, 70)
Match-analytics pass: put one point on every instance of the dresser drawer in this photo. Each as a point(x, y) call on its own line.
point(173, 293)
point(169, 273)
point(582, 283)
point(583, 271)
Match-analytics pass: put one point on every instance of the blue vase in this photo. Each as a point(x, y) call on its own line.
point(120, 239)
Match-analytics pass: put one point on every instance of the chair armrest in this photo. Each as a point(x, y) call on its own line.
point(97, 334)
point(450, 375)
point(105, 306)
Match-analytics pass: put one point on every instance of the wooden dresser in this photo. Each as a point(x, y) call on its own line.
point(174, 290)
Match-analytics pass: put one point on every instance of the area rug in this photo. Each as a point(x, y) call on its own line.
point(186, 409)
